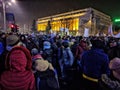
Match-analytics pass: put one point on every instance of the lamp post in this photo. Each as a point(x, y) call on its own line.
point(4, 13)
point(4, 2)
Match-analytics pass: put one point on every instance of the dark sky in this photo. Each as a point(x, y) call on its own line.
point(27, 10)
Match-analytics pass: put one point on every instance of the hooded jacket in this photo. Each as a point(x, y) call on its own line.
point(18, 75)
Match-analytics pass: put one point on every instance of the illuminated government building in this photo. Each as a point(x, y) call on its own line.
point(76, 21)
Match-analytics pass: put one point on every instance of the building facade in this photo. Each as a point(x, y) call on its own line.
point(76, 21)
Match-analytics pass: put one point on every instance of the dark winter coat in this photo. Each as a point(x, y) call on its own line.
point(94, 63)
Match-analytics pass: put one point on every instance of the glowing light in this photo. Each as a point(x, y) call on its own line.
point(117, 20)
point(9, 4)
point(13, 1)
point(12, 26)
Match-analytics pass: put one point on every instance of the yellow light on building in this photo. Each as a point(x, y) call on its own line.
point(76, 24)
point(72, 21)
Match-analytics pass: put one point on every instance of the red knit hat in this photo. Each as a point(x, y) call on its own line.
point(38, 56)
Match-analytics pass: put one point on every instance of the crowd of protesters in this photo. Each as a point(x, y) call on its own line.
point(54, 62)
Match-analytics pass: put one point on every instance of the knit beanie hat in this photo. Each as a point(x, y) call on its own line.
point(37, 57)
point(46, 45)
point(34, 51)
point(12, 40)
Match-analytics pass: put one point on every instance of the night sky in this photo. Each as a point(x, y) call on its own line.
point(27, 10)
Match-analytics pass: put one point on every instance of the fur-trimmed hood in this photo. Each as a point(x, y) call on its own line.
point(43, 65)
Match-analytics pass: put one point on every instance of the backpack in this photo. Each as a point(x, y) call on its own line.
point(48, 79)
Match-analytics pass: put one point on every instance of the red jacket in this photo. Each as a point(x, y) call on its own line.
point(80, 49)
point(18, 75)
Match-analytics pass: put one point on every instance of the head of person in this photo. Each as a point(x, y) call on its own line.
point(19, 57)
point(22, 38)
point(11, 40)
point(40, 64)
point(2, 35)
point(34, 51)
point(46, 45)
point(83, 43)
point(112, 43)
point(34, 59)
point(59, 43)
point(66, 44)
point(97, 43)
point(115, 67)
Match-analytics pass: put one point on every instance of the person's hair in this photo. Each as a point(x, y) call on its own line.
point(65, 44)
point(97, 43)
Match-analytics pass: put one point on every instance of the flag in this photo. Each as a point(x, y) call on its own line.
point(110, 31)
point(66, 30)
point(86, 32)
point(117, 35)
point(61, 29)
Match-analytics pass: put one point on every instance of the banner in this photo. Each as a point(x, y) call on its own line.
point(110, 31)
point(117, 35)
point(66, 30)
point(10, 18)
point(86, 32)
point(61, 29)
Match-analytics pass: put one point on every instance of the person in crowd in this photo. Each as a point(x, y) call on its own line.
point(114, 49)
point(115, 67)
point(54, 56)
point(23, 39)
point(2, 54)
point(80, 49)
point(1, 47)
point(3, 37)
point(30, 44)
point(59, 59)
point(73, 46)
point(82, 46)
point(47, 51)
point(111, 82)
point(68, 57)
point(34, 53)
point(94, 63)
point(46, 78)
point(35, 40)
point(18, 74)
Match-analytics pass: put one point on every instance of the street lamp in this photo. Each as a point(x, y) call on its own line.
point(13, 1)
point(4, 12)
